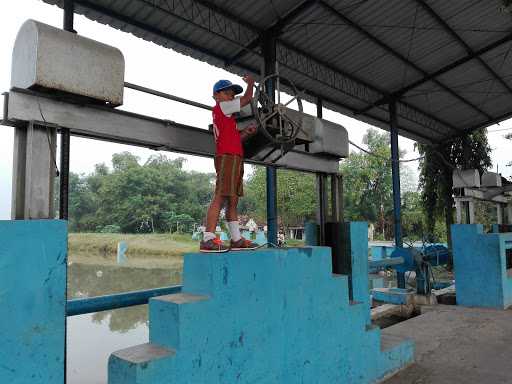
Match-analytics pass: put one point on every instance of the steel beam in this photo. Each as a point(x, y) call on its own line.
point(69, 12)
point(133, 129)
point(459, 39)
point(331, 72)
point(439, 72)
point(276, 30)
point(395, 167)
point(399, 56)
point(154, 31)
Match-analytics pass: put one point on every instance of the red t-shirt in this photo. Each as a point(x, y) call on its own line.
point(227, 137)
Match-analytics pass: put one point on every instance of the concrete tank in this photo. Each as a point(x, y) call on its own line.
point(47, 58)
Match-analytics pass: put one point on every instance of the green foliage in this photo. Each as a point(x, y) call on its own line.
point(368, 188)
point(296, 196)
point(138, 198)
point(110, 229)
point(436, 169)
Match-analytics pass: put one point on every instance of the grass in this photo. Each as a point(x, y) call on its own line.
point(138, 245)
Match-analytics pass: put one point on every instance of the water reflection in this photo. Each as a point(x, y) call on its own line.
point(93, 337)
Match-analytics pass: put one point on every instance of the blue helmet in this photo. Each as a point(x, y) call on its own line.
point(222, 85)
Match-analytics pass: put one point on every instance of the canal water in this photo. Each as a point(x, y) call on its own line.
point(93, 337)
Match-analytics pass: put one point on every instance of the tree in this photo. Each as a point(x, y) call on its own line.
point(367, 179)
point(296, 197)
point(436, 169)
point(137, 197)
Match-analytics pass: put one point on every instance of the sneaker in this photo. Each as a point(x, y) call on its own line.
point(212, 246)
point(242, 244)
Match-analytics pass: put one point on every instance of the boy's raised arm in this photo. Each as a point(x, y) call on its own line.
point(247, 97)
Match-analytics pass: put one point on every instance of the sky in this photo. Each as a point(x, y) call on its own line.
point(162, 69)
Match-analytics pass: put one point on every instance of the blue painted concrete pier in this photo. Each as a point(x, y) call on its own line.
point(33, 263)
point(267, 316)
point(483, 270)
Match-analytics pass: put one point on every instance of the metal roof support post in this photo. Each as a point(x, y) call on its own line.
point(69, 9)
point(33, 172)
point(395, 167)
point(335, 197)
point(69, 12)
point(499, 213)
point(321, 189)
point(269, 57)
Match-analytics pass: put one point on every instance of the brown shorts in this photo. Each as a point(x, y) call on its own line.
point(230, 172)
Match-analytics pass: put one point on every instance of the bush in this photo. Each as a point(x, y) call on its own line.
point(110, 229)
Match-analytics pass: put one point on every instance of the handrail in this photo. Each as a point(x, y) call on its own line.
point(166, 96)
point(118, 300)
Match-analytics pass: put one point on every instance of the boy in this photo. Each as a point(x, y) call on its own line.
point(228, 164)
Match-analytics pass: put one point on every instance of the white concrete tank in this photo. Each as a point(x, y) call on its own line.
point(48, 58)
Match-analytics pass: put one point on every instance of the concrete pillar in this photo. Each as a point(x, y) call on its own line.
point(34, 172)
point(458, 210)
point(471, 205)
point(499, 213)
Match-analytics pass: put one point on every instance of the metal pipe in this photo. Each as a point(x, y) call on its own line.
point(167, 96)
point(388, 262)
point(69, 12)
point(321, 189)
point(395, 167)
point(269, 56)
point(119, 300)
point(68, 25)
point(64, 173)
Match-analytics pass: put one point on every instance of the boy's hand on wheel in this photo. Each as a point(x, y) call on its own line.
point(251, 130)
point(248, 79)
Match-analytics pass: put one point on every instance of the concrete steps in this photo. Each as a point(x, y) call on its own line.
point(267, 316)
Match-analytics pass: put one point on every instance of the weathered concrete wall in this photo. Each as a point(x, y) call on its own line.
point(267, 316)
point(33, 257)
point(481, 276)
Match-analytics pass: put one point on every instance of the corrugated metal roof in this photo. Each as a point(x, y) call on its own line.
point(447, 63)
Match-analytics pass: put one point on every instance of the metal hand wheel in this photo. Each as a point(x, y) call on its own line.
point(273, 119)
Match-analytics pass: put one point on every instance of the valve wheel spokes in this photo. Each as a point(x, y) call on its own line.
point(277, 112)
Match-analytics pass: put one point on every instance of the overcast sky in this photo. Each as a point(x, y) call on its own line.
point(162, 69)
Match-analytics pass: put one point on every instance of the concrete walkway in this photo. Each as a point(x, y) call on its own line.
point(457, 345)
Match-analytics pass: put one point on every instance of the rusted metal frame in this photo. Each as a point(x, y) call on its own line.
point(219, 25)
point(459, 39)
point(485, 124)
point(399, 56)
point(154, 31)
point(312, 69)
point(276, 30)
point(439, 72)
point(165, 35)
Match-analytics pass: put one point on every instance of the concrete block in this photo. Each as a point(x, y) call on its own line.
point(265, 316)
point(33, 257)
point(466, 178)
point(480, 260)
point(491, 179)
point(45, 57)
